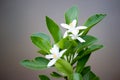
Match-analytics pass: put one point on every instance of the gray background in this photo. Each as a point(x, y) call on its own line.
point(20, 18)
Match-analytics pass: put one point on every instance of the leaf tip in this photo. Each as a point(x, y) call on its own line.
point(46, 17)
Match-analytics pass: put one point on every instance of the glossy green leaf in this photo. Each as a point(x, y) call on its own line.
point(88, 51)
point(55, 74)
point(85, 70)
point(76, 76)
point(53, 29)
point(91, 49)
point(71, 14)
point(42, 41)
point(43, 77)
point(90, 76)
point(81, 63)
point(64, 67)
point(89, 40)
point(65, 43)
point(42, 52)
point(93, 20)
point(37, 64)
point(41, 35)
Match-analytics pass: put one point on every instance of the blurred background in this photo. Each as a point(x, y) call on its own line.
point(20, 18)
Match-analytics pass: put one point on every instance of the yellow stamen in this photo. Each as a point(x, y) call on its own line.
point(54, 56)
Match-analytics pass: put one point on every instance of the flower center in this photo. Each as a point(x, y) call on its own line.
point(54, 56)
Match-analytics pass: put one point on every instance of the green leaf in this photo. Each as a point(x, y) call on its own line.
point(43, 77)
point(81, 63)
point(37, 64)
point(41, 35)
point(76, 76)
point(42, 52)
point(90, 76)
point(88, 51)
point(53, 29)
point(65, 43)
point(55, 74)
point(85, 70)
point(91, 49)
point(93, 20)
point(42, 41)
point(64, 67)
point(71, 14)
point(89, 40)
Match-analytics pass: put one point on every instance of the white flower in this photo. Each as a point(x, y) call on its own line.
point(74, 30)
point(55, 55)
point(76, 36)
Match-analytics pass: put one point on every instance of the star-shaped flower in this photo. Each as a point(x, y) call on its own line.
point(55, 55)
point(72, 28)
point(77, 36)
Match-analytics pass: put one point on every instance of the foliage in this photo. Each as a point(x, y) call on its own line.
point(72, 64)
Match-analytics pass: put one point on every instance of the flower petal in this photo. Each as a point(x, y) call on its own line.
point(61, 52)
point(80, 39)
point(65, 34)
point(81, 27)
point(75, 31)
point(81, 33)
point(73, 24)
point(65, 25)
point(55, 49)
point(49, 56)
point(52, 62)
point(72, 36)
